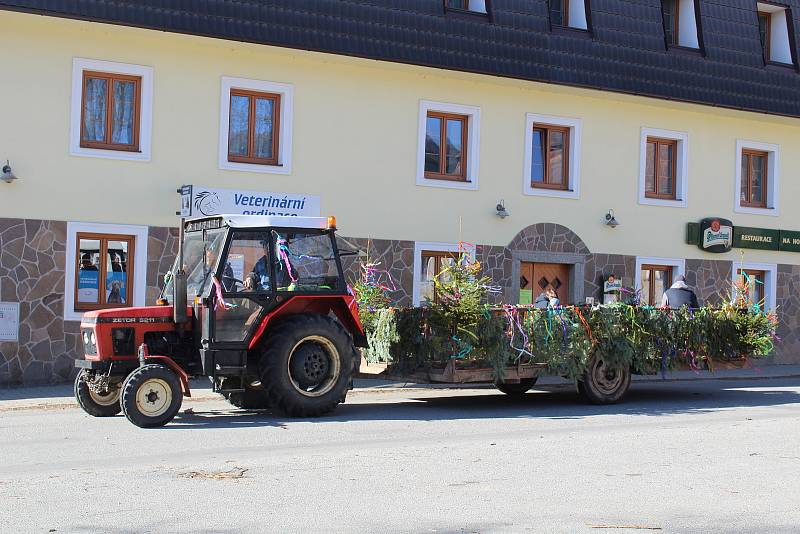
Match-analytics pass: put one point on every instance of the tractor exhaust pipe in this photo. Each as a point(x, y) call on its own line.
point(179, 285)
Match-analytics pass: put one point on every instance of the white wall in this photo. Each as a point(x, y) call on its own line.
point(779, 38)
point(577, 14)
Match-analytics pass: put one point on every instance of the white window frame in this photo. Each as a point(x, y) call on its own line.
point(473, 114)
point(687, 25)
point(770, 280)
point(678, 268)
point(575, 126)
point(577, 15)
point(286, 91)
point(773, 178)
point(140, 233)
point(79, 65)
point(431, 246)
point(780, 48)
point(477, 6)
point(681, 168)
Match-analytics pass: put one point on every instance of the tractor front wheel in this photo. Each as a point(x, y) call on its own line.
point(307, 365)
point(603, 384)
point(151, 396)
point(97, 404)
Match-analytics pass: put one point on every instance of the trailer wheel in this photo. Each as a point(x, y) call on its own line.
point(516, 389)
point(93, 403)
point(307, 365)
point(151, 396)
point(603, 384)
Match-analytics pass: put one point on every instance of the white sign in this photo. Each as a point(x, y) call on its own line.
point(610, 286)
point(215, 201)
point(9, 321)
point(723, 235)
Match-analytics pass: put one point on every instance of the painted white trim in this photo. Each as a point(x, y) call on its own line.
point(419, 247)
point(687, 25)
point(780, 50)
point(139, 261)
point(575, 130)
point(678, 265)
point(285, 129)
point(773, 178)
point(473, 143)
point(577, 15)
point(145, 112)
point(770, 280)
point(681, 167)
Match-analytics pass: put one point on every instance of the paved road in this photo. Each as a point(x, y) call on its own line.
point(700, 456)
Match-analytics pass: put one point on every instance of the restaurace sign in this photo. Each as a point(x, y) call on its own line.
point(717, 235)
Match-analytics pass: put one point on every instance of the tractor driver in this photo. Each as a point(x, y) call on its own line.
point(258, 279)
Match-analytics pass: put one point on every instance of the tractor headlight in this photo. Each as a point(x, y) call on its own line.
point(89, 342)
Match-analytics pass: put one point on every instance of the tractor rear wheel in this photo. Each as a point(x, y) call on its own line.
point(102, 404)
point(151, 396)
point(516, 389)
point(307, 365)
point(250, 399)
point(603, 384)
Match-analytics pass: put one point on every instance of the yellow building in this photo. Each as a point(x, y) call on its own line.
point(420, 125)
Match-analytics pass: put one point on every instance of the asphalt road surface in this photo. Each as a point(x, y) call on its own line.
point(699, 456)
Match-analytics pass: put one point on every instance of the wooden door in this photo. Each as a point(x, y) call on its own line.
point(536, 278)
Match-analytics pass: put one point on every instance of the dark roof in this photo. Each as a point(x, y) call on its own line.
point(625, 51)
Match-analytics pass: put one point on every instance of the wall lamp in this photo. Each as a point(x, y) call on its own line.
point(611, 220)
point(502, 212)
point(8, 175)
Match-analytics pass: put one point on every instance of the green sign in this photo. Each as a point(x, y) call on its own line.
point(790, 241)
point(758, 238)
point(745, 237)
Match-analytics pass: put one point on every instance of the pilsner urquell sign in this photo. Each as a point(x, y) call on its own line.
point(715, 234)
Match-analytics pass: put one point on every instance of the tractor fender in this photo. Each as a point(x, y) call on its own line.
point(344, 307)
point(169, 362)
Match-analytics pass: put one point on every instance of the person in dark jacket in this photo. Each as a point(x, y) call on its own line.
point(679, 295)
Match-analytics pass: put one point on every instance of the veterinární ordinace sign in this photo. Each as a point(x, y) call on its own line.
point(199, 201)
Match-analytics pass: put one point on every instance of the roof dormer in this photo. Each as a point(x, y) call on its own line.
point(775, 32)
point(681, 26)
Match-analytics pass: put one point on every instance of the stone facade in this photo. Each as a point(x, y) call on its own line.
point(32, 270)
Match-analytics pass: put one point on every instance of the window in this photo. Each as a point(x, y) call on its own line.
point(753, 185)
point(654, 276)
point(758, 281)
point(774, 29)
point(106, 267)
point(112, 107)
point(663, 168)
point(569, 14)
point(430, 262)
point(764, 25)
point(680, 23)
point(752, 283)
point(256, 126)
point(756, 178)
point(550, 165)
point(254, 122)
point(655, 280)
point(103, 270)
point(552, 162)
point(476, 6)
point(447, 145)
point(660, 168)
point(434, 263)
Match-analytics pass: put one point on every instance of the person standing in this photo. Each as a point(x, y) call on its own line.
point(679, 295)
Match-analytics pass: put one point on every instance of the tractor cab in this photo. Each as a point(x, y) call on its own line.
point(236, 282)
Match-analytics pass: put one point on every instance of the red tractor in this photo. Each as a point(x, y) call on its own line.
point(258, 304)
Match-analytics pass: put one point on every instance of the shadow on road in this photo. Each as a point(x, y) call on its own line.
point(644, 399)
